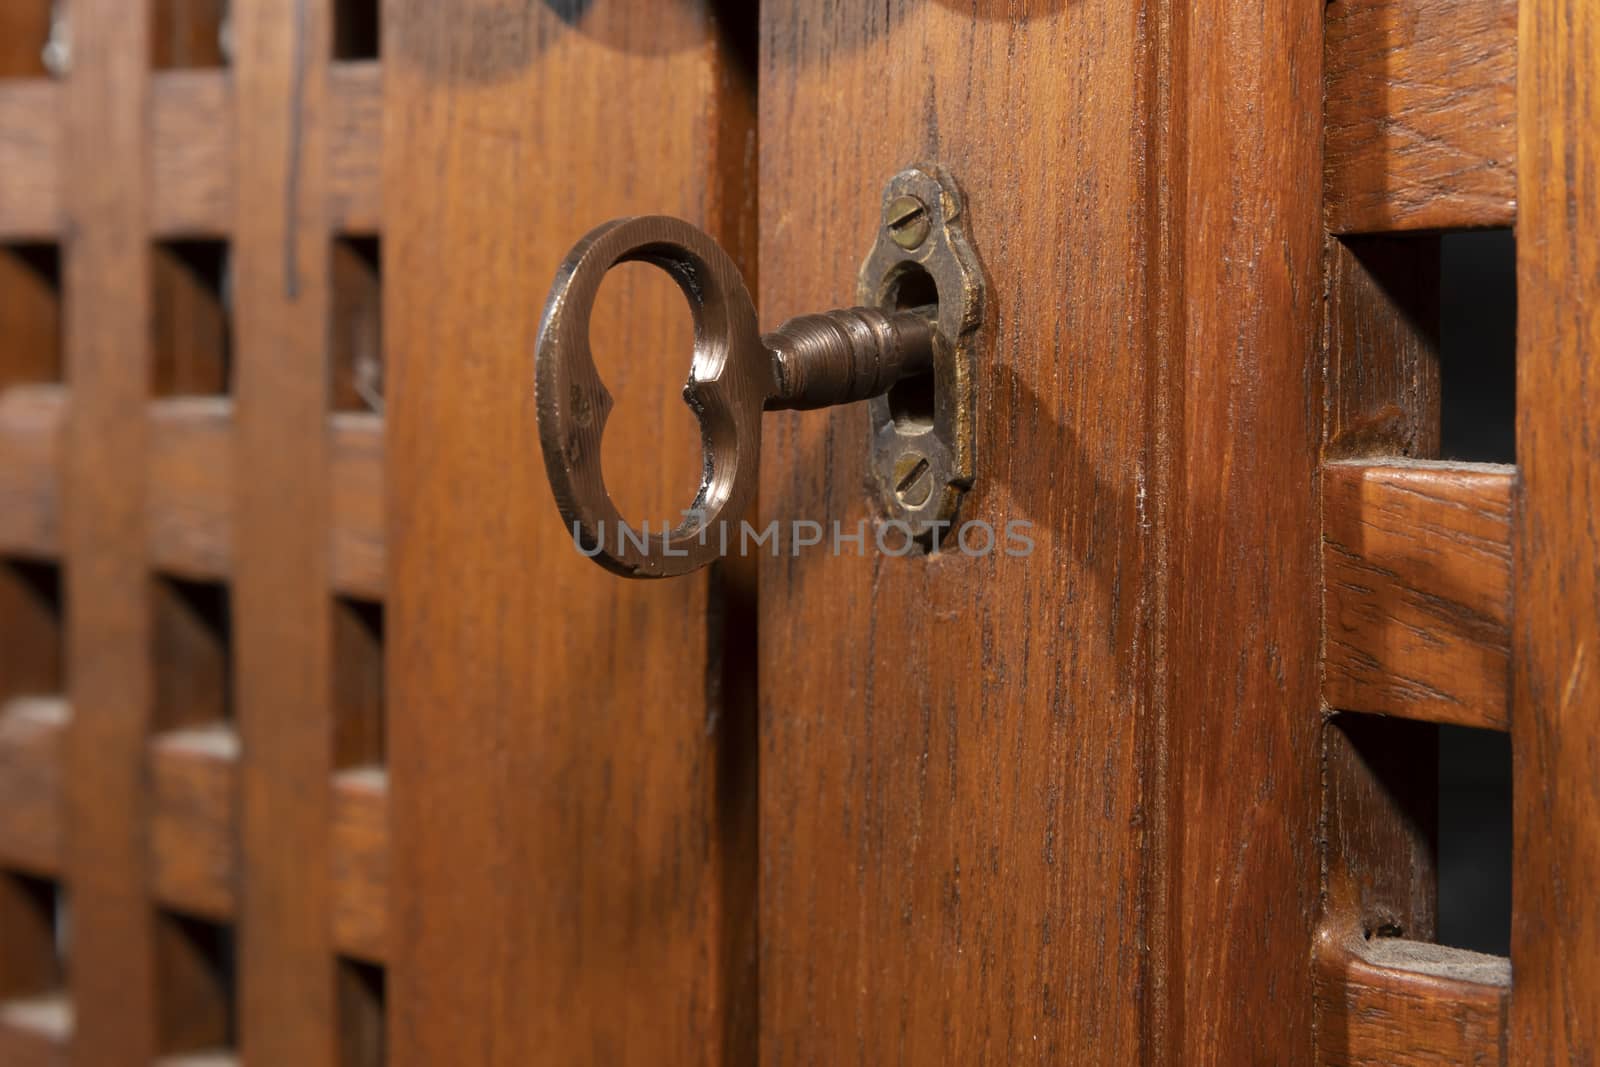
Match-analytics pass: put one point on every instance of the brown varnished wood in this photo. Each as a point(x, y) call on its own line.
point(952, 747)
point(195, 1006)
point(355, 146)
point(30, 147)
point(1242, 418)
point(193, 838)
point(189, 504)
point(1394, 1003)
point(24, 28)
point(30, 315)
point(36, 1031)
point(31, 421)
point(1382, 331)
point(189, 489)
point(286, 996)
point(192, 185)
point(192, 178)
point(1417, 590)
point(193, 817)
point(186, 33)
point(32, 792)
point(1555, 928)
point(1421, 115)
point(571, 782)
point(108, 356)
point(192, 335)
point(29, 963)
point(358, 560)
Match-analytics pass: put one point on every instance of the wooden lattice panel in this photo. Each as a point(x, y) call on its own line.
point(191, 473)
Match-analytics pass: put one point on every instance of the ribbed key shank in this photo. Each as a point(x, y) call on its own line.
point(838, 357)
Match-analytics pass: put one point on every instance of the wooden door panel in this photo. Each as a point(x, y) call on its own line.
point(982, 778)
point(570, 760)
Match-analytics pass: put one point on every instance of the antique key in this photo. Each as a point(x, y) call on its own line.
point(922, 458)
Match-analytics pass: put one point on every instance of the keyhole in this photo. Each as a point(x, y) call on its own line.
point(911, 399)
point(642, 336)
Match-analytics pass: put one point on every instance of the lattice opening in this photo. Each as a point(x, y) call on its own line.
point(191, 316)
point(24, 32)
point(356, 317)
point(195, 985)
point(31, 626)
point(1475, 839)
point(192, 652)
point(1478, 345)
point(356, 29)
point(189, 33)
point(362, 1006)
point(34, 935)
point(30, 314)
point(358, 697)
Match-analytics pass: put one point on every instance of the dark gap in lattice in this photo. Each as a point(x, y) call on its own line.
point(191, 319)
point(195, 985)
point(1478, 346)
point(33, 936)
point(358, 698)
point(192, 653)
point(1475, 839)
point(362, 1004)
point(356, 29)
point(30, 314)
point(356, 325)
point(31, 624)
point(24, 32)
point(188, 34)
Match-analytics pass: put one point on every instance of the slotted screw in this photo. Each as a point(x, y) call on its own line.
point(907, 221)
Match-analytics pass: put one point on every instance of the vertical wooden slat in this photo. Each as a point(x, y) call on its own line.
point(1243, 584)
point(571, 858)
point(283, 611)
point(107, 286)
point(1555, 716)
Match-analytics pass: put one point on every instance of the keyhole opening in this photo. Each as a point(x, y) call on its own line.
point(911, 400)
point(641, 334)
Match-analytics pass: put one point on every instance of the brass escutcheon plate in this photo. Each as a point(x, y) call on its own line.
point(922, 447)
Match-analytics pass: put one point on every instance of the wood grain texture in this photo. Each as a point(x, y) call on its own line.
point(355, 147)
point(194, 851)
point(1383, 347)
point(36, 1031)
point(30, 149)
point(1421, 115)
point(953, 747)
point(1393, 1003)
point(1243, 420)
point(193, 817)
point(286, 1002)
point(358, 551)
point(32, 790)
point(1555, 930)
point(192, 131)
point(571, 782)
point(188, 502)
point(189, 509)
point(108, 274)
point(1417, 590)
point(31, 421)
point(191, 153)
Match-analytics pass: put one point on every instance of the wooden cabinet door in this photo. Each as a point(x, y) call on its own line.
point(321, 743)
point(1157, 791)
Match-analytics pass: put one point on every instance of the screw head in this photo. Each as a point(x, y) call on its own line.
point(913, 479)
point(906, 219)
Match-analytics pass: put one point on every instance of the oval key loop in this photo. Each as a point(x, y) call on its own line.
point(810, 361)
point(730, 379)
